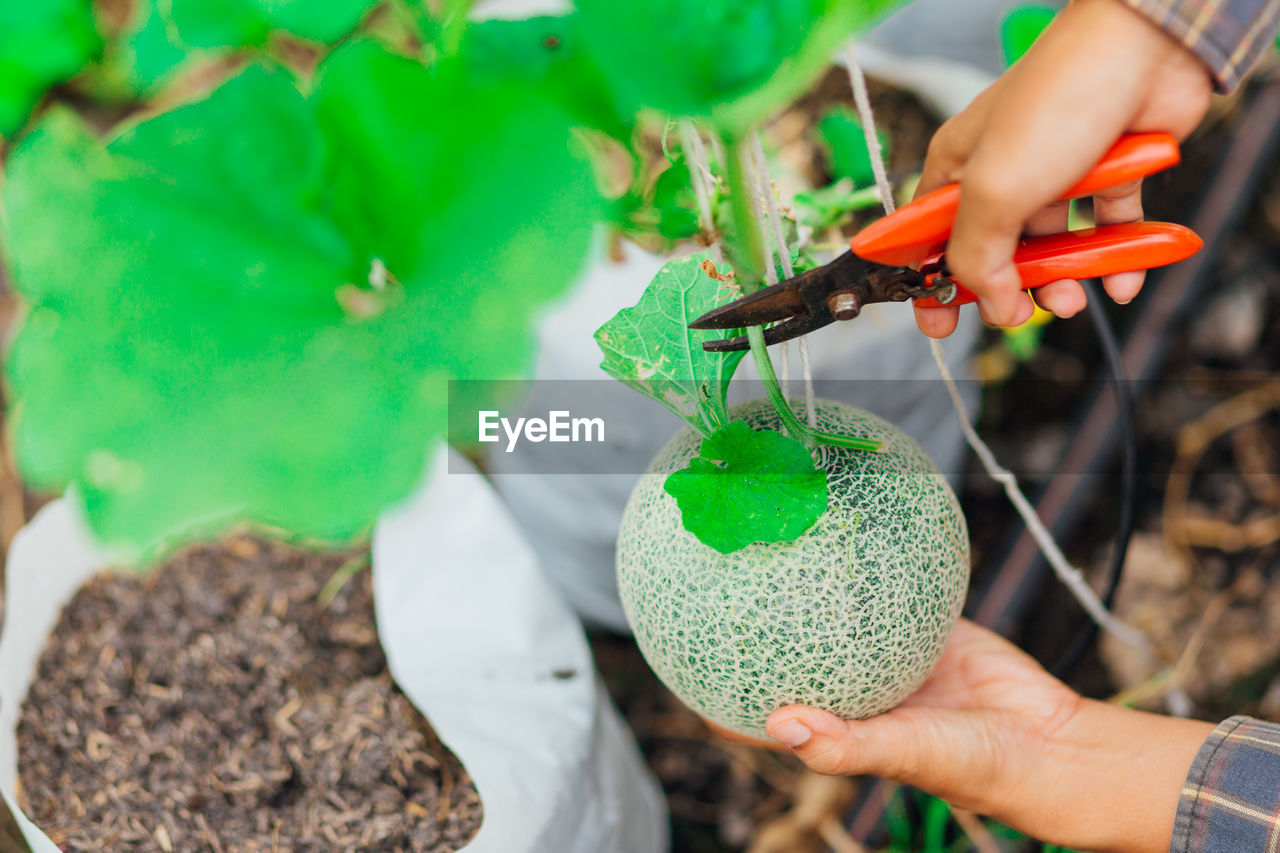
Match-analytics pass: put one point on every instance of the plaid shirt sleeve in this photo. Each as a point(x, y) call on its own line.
point(1230, 802)
point(1227, 35)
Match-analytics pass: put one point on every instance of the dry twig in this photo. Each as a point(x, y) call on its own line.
point(813, 824)
point(1181, 531)
point(1175, 677)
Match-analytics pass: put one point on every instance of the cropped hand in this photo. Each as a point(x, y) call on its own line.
point(992, 732)
point(1097, 72)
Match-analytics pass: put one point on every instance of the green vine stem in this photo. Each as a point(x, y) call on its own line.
point(748, 258)
point(748, 265)
point(453, 22)
point(797, 428)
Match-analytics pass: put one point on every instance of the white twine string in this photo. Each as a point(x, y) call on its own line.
point(703, 185)
point(1072, 577)
point(784, 258)
point(1069, 575)
point(862, 100)
point(775, 247)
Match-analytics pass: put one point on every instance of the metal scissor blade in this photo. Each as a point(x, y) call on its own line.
point(785, 331)
point(773, 304)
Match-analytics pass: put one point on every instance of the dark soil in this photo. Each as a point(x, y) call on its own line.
point(222, 704)
point(719, 793)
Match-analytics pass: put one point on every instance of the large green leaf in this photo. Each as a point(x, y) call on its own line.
point(734, 61)
point(41, 43)
point(651, 348)
point(209, 334)
point(748, 486)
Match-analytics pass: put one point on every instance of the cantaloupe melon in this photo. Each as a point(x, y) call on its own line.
point(850, 617)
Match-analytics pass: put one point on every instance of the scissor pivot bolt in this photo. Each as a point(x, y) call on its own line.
point(844, 305)
point(944, 290)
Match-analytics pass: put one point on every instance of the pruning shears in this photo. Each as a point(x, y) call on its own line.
point(900, 257)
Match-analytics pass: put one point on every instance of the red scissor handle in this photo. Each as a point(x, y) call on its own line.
point(904, 238)
point(1090, 253)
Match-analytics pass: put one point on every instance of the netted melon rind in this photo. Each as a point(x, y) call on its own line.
point(849, 623)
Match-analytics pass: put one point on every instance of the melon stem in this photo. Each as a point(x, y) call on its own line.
point(748, 265)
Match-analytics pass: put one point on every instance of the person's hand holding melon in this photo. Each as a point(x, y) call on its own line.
point(992, 732)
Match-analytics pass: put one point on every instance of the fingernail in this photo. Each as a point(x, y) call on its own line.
point(791, 733)
point(1124, 301)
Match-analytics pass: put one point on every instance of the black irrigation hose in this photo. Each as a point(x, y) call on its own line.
point(1128, 475)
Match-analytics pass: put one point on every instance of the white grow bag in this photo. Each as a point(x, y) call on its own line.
point(473, 634)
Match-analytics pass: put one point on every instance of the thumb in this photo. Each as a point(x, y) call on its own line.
point(880, 746)
point(985, 235)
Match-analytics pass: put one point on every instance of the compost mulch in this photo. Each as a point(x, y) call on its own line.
point(224, 703)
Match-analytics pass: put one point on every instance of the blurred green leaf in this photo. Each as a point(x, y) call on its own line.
point(548, 50)
point(832, 205)
point(1023, 342)
point(150, 51)
point(245, 23)
point(937, 817)
point(842, 138)
point(165, 37)
point(250, 307)
point(41, 43)
point(143, 58)
point(1021, 27)
point(667, 208)
point(732, 61)
point(675, 202)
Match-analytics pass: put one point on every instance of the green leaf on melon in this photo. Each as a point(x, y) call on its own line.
point(650, 347)
point(41, 43)
point(733, 61)
point(209, 335)
point(748, 486)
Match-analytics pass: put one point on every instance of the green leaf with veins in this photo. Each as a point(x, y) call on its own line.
point(651, 348)
point(734, 61)
point(209, 335)
point(41, 43)
point(748, 486)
